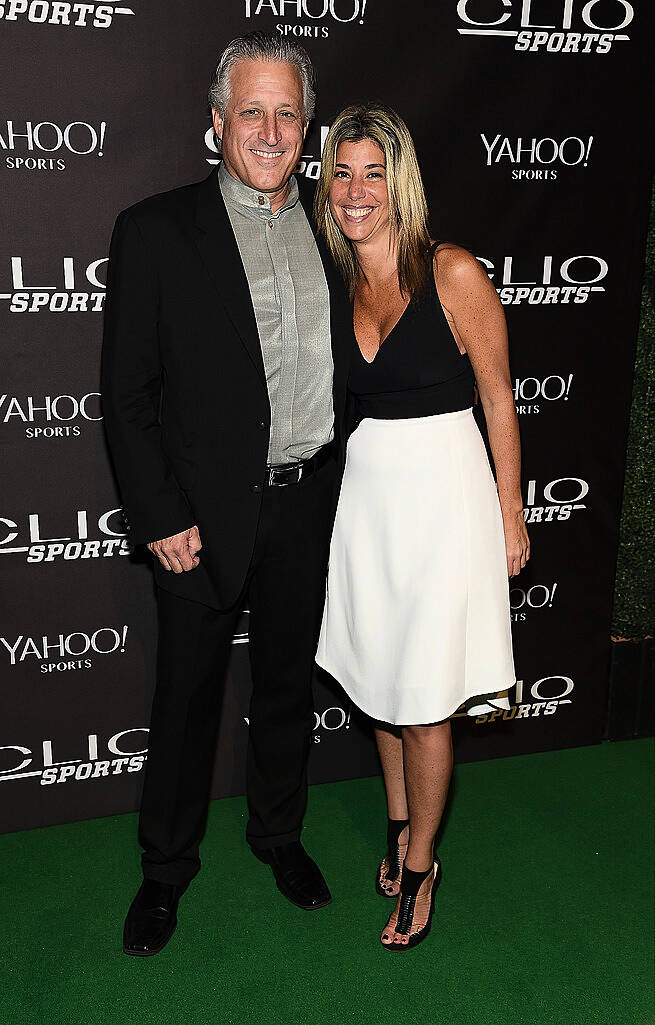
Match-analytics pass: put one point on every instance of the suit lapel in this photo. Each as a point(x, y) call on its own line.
point(220, 253)
point(218, 247)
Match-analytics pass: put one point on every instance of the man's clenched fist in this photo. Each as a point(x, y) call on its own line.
point(180, 552)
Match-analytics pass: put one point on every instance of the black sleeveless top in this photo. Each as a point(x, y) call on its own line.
point(417, 371)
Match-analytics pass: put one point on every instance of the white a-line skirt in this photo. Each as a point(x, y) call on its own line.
point(417, 619)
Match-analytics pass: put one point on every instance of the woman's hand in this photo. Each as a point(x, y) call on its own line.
point(517, 542)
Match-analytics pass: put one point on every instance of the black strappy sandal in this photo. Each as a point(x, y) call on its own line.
point(394, 829)
point(410, 884)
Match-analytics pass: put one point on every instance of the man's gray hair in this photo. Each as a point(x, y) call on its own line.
point(262, 46)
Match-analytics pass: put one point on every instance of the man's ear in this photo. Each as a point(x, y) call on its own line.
point(218, 123)
point(304, 131)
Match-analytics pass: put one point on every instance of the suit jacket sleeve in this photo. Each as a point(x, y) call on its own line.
point(155, 507)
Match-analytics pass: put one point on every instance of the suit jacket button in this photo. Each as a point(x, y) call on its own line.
point(261, 426)
point(255, 488)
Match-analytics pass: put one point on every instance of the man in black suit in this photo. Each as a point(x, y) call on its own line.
point(223, 386)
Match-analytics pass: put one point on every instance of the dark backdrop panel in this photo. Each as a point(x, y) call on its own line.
point(531, 124)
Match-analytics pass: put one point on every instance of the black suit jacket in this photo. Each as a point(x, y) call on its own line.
point(184, 390)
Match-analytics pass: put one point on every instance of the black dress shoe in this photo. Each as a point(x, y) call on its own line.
point(297, 876)
point(152, 918)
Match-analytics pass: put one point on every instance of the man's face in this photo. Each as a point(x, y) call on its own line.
point(263, 129)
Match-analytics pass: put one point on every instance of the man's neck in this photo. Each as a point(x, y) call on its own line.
point(277, 198)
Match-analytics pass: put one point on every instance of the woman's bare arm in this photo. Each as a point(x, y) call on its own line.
point(477, 320)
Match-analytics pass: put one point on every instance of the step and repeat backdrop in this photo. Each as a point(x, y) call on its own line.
point(531, 120)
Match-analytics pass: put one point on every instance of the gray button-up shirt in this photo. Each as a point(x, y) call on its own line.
point(292, 310)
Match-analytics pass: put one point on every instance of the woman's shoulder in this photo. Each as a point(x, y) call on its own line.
point(455, 267)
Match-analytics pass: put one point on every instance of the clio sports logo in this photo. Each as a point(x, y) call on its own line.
point(70, 288)
point(309, 166)
point(61, 12)
point(86, 537)
point(556, 501)
point(544, 697)
point(124, 752)
point(565, 26)
point(541, 281)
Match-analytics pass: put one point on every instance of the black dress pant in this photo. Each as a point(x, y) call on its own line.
point(285, 590)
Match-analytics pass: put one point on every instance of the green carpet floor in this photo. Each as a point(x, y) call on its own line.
point(544, 916)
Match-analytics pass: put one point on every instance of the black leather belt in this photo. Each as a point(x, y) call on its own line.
point(292, 473)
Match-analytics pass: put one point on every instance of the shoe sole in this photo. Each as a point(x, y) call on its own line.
point(261, 856)
point(149, 953)
point(303, 907)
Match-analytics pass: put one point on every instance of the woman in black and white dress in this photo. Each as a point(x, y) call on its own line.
point(416, 620)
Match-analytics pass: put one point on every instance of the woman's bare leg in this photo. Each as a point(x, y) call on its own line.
point(428, 762)
point(390, 748)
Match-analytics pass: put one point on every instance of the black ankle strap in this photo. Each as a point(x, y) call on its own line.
point(410, 881)
point(394, 829)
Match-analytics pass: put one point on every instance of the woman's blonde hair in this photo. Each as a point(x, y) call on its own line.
point(407, 206)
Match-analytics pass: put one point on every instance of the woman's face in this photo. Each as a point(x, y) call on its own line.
point(359, 200)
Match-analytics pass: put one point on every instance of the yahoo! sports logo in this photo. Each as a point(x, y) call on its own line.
point(570, 26)
point(330, 719)
point(308, 19)
point(45, 145)
point(533, 394)
point(525, 601)
point(533, 159)
point(51, 416)
point(65, 652)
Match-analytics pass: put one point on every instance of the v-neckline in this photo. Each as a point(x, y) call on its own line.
point(370, 362)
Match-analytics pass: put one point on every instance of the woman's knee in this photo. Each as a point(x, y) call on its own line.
point(428, 734)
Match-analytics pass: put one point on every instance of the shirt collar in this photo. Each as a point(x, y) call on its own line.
point(250, 201)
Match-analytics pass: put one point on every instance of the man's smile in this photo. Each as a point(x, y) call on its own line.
point(266, 154)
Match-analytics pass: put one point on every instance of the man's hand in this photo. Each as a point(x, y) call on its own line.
point(178, 553)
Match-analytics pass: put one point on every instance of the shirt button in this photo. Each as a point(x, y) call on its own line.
point(270, 224)
point(261, 200)
point(255, 488)
point(261, 426)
